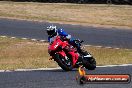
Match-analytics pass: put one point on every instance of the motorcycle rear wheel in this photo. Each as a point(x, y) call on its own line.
point(89, 63)
point(62, 62)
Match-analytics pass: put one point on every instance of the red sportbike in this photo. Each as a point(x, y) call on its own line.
point(68, 56)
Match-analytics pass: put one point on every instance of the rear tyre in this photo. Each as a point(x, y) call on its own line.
point(89, 62)
point(66, 65)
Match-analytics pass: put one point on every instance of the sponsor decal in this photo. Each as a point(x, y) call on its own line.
point(84, 78)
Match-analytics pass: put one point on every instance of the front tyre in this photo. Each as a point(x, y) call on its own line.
point(65, 64)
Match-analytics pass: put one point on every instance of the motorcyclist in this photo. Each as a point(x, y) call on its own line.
point(52, 32)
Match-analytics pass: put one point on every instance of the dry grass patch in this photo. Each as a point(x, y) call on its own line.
point(23, 54)
point(16, 53)
point(118, 15)
point(106, 56)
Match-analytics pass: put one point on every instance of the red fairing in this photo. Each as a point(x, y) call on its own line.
point(54, 45)
point(59, 43)
point(75, 57)
point(62, 53)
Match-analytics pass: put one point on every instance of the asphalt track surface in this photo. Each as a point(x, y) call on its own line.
point(59, 78)
point(111, 37)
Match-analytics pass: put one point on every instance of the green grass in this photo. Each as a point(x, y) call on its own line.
point(17, 54)
point(84, 14)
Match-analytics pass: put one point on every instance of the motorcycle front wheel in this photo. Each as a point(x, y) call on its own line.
point(64, 63)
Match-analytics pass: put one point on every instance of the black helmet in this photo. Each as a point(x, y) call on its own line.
point(51, 30)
